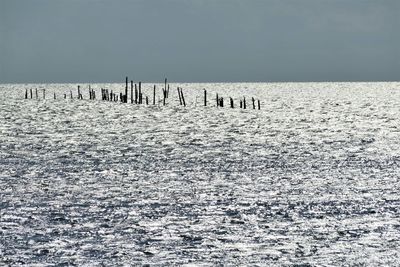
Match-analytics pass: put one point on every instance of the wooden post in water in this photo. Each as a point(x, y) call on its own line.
point(231, 102)
point(205, 97)
point(183, 98)
point(79, 92)
point(254, 104)
point(165, 87)
point(167, 90)
point(241, 105)
point(147, 100)
point(70, 92)
point(26, 93)
point(65, 96)
point(36, 93)
point(244, 102)
point(131, 92)
point(217, 98)
point(136, 94)
point(140, 92)
point(54, 95)
point(154, 95)
point(259, 104)
point(31, 93)
point(179, 94)
point(126, 90)
point(44, 93)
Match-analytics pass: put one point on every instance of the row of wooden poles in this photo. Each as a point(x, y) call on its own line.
point(137, 96)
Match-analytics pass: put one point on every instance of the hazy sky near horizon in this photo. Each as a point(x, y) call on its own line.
point(199, 40)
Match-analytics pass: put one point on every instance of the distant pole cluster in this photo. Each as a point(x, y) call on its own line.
point(137, 96)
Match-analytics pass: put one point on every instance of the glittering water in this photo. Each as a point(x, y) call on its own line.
point(310, 179)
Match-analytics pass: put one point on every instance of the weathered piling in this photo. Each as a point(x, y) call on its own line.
point(131, 92)
point(147, 100)
point(36, 93)
point(154, 95)
point(240, 104)
point(55, 96)
point(79, 92)
point(26, 93)
point(136, 94)
point(140, 92)
point(217, 99)
point(183, 98)
point(259, 104)
point(31, 93)
point(126, 90)
point(244, 102)
point(231, 101)
point(44, 93)
point(70, 93)
point(179, 95)
point(167, 90)
point(205, 97)
point(65, 96)
point(221, 102)
point(165, 87)
point(254, 104)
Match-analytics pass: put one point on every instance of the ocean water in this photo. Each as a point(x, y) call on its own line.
point(311, 179)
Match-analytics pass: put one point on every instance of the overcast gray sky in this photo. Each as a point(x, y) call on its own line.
point(199, 40)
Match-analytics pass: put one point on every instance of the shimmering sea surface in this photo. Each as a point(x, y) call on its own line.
point(311, 179)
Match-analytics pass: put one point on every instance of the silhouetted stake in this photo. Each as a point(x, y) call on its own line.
point(221, 100)
point(131, 92)
point(65, 96)
point(259, 104)
point(140, 93)
point(26, 93)
point(121, 97)
point(54, 95)
point(205, 97)
point(154, 95)
point(136, 94)
point(183, 98)
point(165, 87)
point(217, 99)
point(179, 94)
point(44, 93)
point(94, 94)
point(244, 102)
point(70, 92)
point(36, 93)
point(167, 90)
point(254, 104)
point(241, 104)
point(126, 90)
point(147, 100)
point(79, 92)
point(31, 93)
point(231, 99)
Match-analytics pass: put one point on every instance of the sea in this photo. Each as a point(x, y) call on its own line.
point(312, 178)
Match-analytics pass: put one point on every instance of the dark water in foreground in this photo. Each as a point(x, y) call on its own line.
point(312, 178)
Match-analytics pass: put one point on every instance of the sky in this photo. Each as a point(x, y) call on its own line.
point(199, 40)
